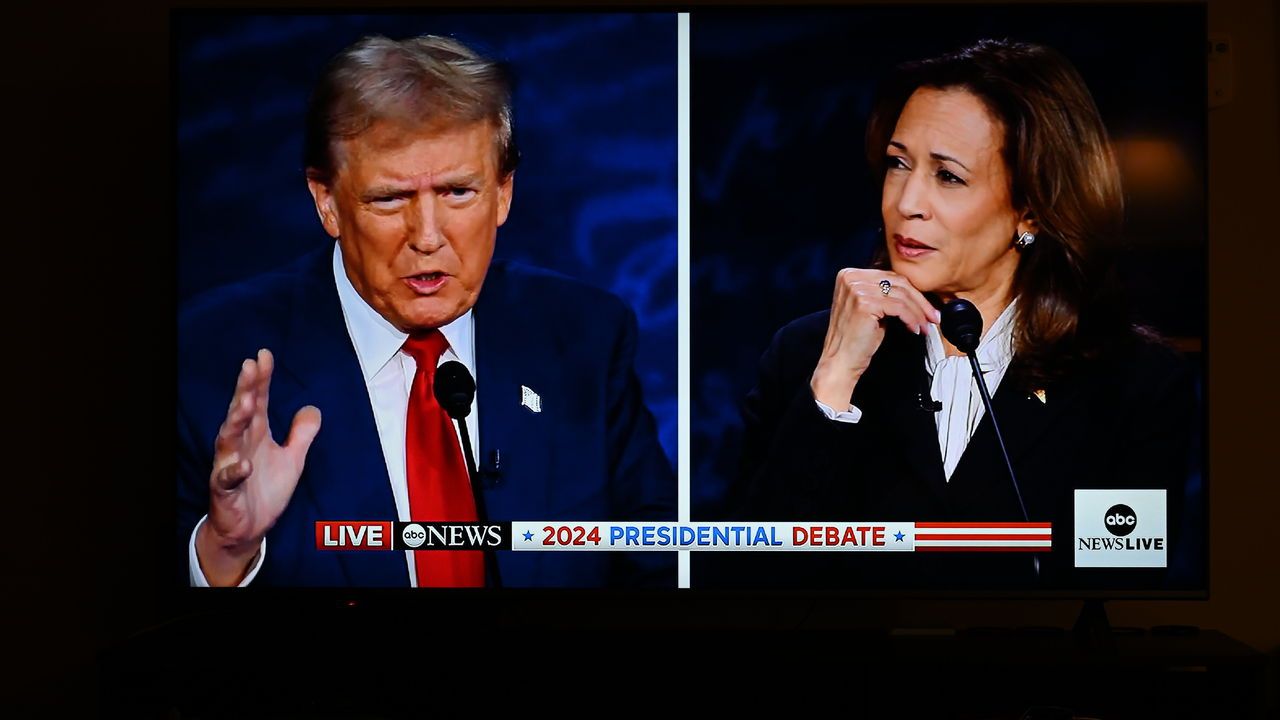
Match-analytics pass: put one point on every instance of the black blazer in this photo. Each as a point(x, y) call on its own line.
point(1124, 421)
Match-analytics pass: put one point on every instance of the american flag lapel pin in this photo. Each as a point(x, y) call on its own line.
point(530, 399)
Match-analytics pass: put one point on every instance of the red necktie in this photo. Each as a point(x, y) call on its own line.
point(439, 490)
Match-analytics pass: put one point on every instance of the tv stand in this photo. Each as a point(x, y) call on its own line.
point(1092, 630)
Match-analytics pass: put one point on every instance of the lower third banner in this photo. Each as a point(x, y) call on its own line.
point(865, 536)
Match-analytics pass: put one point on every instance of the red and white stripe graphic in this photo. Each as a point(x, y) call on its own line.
point(983, 536)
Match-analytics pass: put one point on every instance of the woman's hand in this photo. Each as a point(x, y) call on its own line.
point(859, 307)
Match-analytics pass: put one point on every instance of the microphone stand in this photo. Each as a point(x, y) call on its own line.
point(477, 492)
point(962, 326)
point(455, 391)
point(986, 402)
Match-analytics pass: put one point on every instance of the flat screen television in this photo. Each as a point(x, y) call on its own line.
point(671, 203)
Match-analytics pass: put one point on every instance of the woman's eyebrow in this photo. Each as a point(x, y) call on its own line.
point(948, 158)
point(934, 155)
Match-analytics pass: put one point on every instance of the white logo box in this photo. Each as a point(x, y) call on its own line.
point(1146, 543)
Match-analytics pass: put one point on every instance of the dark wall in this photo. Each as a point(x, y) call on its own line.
point(594, 109)
point(110, 481)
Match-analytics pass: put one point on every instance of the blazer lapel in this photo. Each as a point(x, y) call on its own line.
point(508, 347)
point(1023, 418)
point(346, 474)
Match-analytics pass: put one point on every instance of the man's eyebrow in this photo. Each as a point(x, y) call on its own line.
point(460, 178)
point(386, 191)
point(934, 155)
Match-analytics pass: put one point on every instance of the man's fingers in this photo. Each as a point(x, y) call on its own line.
point(259, 427)
point(306, 424)
point(266, 365)
point(240, 413)
point(234, 427)
point(244, 383)
point(232, 473)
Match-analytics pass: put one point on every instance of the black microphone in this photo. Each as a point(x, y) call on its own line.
point(455, 390)
point(962, 327)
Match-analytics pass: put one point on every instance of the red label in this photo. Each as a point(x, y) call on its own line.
point(354, 535)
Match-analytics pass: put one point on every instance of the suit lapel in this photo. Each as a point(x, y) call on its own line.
point(346, 474)
point(1022, 416)
point(1023, 419)
point(511, 351)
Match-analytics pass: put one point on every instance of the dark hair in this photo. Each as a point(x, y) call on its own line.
point(422, 81)
point(1061, 169)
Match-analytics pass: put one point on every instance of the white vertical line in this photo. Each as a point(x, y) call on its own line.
point(682, 277)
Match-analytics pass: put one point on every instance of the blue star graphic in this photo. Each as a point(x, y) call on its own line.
point(528, 535)
point(898, 536)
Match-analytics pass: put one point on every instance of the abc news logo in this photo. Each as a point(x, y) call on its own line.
point(1121, 521)
point(451, 536)
point(385, 535)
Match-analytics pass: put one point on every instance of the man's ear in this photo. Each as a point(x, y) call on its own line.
point(326, 206)
point(504, 197)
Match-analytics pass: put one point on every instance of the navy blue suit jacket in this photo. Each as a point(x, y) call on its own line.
point(591, 454)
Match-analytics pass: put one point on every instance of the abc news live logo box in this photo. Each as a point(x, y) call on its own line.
point(1121, 529)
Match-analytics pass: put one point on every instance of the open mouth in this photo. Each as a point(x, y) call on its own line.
point(426, 283)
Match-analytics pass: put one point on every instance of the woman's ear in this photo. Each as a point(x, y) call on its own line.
point(1027, 224)
point(1025, 231)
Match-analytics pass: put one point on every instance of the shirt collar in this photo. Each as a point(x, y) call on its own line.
point(376, 340)
point(994, 350)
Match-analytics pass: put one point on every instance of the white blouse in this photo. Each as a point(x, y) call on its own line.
point(952, 384)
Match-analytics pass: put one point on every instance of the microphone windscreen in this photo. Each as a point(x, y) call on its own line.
point(962, 325)
point(454, 389)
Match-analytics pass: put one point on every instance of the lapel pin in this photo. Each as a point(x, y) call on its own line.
point(530, 399)
point(1039, 395)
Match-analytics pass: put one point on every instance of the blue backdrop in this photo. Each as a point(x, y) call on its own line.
point(594, 105)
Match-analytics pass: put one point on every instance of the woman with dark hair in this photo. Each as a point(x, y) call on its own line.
point(999, 187)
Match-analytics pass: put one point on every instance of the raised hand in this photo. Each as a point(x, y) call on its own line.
point(253, 477)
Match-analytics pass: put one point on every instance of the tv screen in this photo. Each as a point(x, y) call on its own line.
point(874, 299)
point(855, 170)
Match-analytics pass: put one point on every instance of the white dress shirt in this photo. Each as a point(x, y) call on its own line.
point(388, 375)
point(952, 384)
